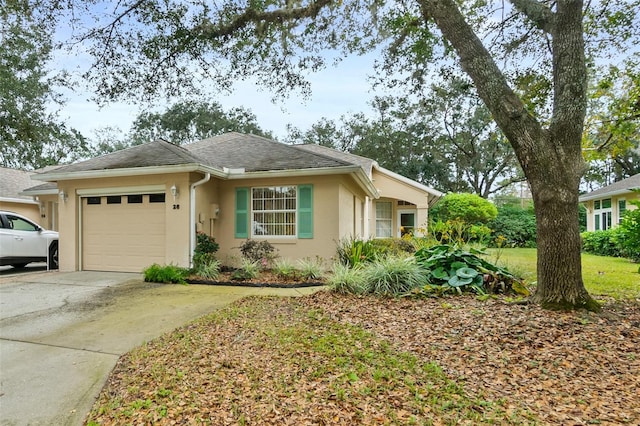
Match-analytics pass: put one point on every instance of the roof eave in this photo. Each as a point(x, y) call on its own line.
point(33, 193)
point(606, 194)
point(130, 171)
point(356, 171)
point(18, 200)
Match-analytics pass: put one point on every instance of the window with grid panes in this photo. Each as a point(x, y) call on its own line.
point(384, 219)
point(273, 211)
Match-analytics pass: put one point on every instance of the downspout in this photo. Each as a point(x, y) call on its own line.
point(192, 215)
point(366, 219)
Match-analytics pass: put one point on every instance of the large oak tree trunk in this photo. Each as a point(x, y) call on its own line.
point(555, 197)
point(550, 157)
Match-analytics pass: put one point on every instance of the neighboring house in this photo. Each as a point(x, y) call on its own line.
point(606, 206)
point(38, 206)
point(142, 205)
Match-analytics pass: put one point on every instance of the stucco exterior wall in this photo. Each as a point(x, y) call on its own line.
point(615, 210)
point(27, 209)
point(177, 213)
point(346, 206)
point(328, 210)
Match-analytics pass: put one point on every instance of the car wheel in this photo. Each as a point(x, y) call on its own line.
point(19, 265)
point(53, 255)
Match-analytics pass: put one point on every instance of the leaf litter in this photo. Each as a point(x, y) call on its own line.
point(336, 359)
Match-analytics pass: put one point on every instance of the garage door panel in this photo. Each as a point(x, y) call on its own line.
point(123, 237)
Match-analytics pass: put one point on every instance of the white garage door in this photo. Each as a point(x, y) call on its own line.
point(123, 232)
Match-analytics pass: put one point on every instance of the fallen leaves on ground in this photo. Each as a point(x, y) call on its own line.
point(336, 359)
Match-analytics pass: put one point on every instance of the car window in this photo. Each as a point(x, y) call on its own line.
point(19, 224)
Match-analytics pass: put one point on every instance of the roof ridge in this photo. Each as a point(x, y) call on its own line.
point(328, 157)
point(178, 150)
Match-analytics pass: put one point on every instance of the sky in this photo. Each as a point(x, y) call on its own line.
point(336, 91)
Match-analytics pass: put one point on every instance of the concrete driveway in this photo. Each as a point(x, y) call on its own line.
point(62, 333)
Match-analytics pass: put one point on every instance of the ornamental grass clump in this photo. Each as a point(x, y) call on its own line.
point(248, 270)
point(284, 269)
point(393, 276)
point(310, 269)
point(209, 270)
point(346, 280)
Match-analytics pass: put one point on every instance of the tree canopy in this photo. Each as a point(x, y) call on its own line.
point(180, 123)
point(32, 135)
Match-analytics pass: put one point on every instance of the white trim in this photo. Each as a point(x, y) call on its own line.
point(399, 213)
point(131, 171)
point(603, 196)
point(19, 200)
point(121, 190)
point(80, 225)
point(192, 215)
point(35, 193)
point(356, 171)
point(390, 219)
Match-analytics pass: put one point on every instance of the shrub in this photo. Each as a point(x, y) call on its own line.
point(310, 269)
point(515, 226)
point(393, 246)
point(628, 236)
point(258, 251)
point(393, 276)
point(346, 280)
point(601, 243)
point(468, 208)
point(204, 252)
point(168, 274)
point(458, 232)
point(352, 251)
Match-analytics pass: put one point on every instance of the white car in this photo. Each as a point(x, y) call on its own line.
point(23, 241)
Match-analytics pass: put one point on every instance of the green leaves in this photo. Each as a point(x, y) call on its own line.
point(450, 268)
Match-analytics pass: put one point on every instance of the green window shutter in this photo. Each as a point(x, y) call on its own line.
point(305, 211)
point(242, 213)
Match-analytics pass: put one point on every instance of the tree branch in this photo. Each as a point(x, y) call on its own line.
point(211, 31)
point(538, 13)
point(520, 127)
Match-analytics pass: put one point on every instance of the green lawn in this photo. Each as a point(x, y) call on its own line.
point(606, 276)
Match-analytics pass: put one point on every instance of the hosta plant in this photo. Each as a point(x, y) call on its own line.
point(451, 269)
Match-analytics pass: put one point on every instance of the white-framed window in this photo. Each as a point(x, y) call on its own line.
point(384, 219)
point(602, 216)
point(273, 211)
point(622, 209)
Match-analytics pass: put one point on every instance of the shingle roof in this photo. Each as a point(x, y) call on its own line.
point(156, 153)
point(620, 187)
point(255, 153)
point(365, 163)
point(39, 189)
point(13, 182)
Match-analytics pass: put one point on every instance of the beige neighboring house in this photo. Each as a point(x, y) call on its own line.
point(16, 195)
point(606, 206)
point(142, 205)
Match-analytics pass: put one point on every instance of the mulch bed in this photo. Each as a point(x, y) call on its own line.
point(265, 279)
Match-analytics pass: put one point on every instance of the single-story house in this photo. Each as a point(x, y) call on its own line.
point(142, 205)
point(15, 196)
point(606, 206)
